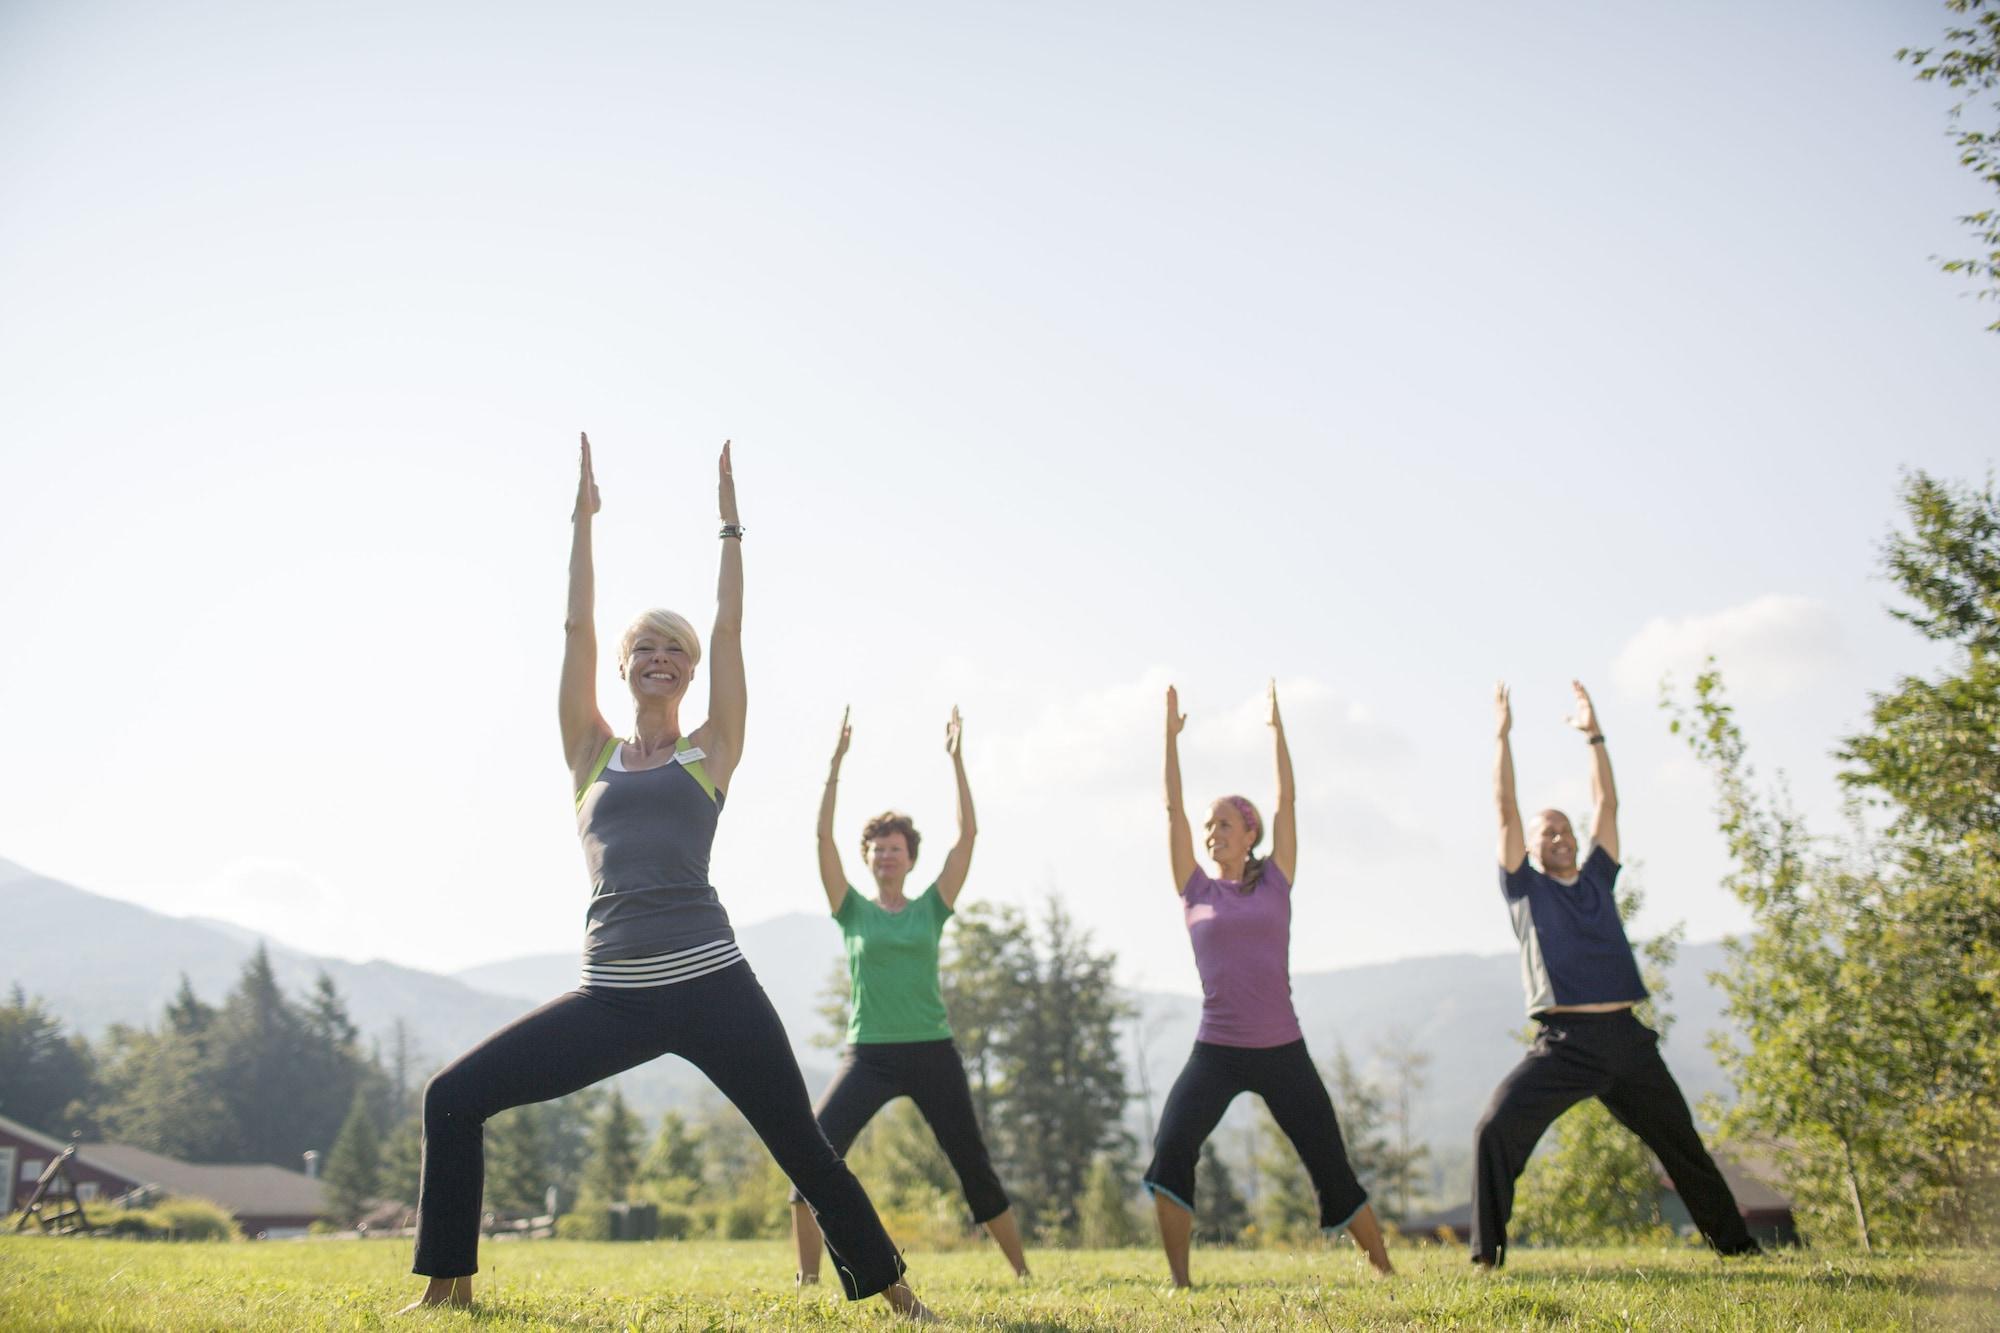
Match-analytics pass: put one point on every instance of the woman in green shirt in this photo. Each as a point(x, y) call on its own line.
point(898, 1038)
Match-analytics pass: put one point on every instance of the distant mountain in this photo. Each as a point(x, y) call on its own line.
point(98, 961)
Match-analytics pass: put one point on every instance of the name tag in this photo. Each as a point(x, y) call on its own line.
point(692, 755)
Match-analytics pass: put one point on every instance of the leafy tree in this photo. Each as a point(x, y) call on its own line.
point(1223, 1215)
point(1970, 63)
point(354, 1166)
point(1104, 1216)
point(47, 1080)
point(987, 972)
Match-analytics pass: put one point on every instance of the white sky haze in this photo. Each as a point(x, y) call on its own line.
point(1069, 350)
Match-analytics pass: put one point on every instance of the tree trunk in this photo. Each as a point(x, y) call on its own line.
point(1854, 1194)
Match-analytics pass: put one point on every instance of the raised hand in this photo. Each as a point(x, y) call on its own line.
point(587, 502)
point(846, 734)
point(1503, 710)
point(1176, 719)
point(954, 734)
point(726, 487)
point(1272, 719)
point(1585, 717)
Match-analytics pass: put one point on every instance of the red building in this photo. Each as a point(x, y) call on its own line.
point(265, 1200)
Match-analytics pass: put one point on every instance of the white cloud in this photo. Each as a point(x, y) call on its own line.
point(1766, 647)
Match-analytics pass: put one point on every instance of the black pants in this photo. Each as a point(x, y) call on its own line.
point(722, 1024)
point(1616, 1059)
point(930, 1073)
point(1286, 1078)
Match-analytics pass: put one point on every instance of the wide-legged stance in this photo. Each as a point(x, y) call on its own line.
point(721, 1023)
point(1288, 1081)
point(1615, 1058)
point(931, 1074)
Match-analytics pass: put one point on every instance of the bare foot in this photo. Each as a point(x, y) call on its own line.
point(905, 1303)
point(443, 1291)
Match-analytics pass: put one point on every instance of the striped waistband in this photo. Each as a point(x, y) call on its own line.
point(663, 969)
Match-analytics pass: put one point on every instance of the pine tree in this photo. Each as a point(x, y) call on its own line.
point(402, 1162)
point(47, 1080)
point(672, 1167)
point(353, 1167)
point(614, 1155)
point(517, 1168)
point(1222, 1214)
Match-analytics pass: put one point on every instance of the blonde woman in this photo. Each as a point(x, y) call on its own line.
point(661, 970)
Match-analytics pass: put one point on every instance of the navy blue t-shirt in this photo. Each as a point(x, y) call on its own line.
point(1573, 946)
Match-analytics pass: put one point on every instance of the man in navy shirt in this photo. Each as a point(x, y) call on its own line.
point(1581, 982)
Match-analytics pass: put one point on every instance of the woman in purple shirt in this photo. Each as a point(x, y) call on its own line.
point(1240, 922)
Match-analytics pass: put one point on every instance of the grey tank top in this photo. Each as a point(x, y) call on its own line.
point(646, 837)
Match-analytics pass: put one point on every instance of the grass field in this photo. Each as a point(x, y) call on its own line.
point(93, 1284)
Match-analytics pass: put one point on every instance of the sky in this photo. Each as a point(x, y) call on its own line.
point(1068, 351)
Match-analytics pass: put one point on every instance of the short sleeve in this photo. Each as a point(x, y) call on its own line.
point(1197, 884)
point(940, 909)
point(1273, 876)
point(1599, 865)
point(1515, 883)
point(848, 914)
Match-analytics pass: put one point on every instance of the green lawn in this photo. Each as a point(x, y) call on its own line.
point(88, 1284)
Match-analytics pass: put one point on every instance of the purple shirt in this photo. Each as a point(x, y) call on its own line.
point(1242, 947)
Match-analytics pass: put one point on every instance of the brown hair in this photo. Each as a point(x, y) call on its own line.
point(891, 821)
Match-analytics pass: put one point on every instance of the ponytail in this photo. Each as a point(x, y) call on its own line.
point(1253, 870)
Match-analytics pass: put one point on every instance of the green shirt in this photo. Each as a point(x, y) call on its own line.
point(892, 969)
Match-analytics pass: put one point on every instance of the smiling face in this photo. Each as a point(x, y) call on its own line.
point(888, 856)
point(1229, 839)
point(657, 668)
point(1553, 842)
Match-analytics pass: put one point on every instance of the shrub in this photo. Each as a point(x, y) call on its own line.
point(197, 1219)
point(588, 1222)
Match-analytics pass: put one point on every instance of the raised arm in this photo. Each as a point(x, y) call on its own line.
point(831, 877)
point(1603, 791)
point(1180, 837)
point(959, 859)
point(584, 730)
point(1513, 839)
point(728, 696)
point(1285, 819)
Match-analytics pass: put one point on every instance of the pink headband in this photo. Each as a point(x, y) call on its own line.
point(1250, 820)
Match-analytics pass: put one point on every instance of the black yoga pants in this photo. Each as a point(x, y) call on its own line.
point(1616, 1059)
point(723, 1025)
point(1286, 1078)
point(931, 1074)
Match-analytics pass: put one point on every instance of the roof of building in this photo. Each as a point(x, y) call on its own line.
point(21, 1131)
point(255, 1189)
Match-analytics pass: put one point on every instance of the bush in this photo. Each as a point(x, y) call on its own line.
point(127, 1224)
point(197, 1219)
point(590, 1221)
point(169, 1219)
point(676, 1223)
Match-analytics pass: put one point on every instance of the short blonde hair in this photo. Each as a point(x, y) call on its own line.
point(669, 625)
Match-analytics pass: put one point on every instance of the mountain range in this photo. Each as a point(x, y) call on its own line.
point(97, 961)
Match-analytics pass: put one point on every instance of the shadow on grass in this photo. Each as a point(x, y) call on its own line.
point(1819, 1279)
